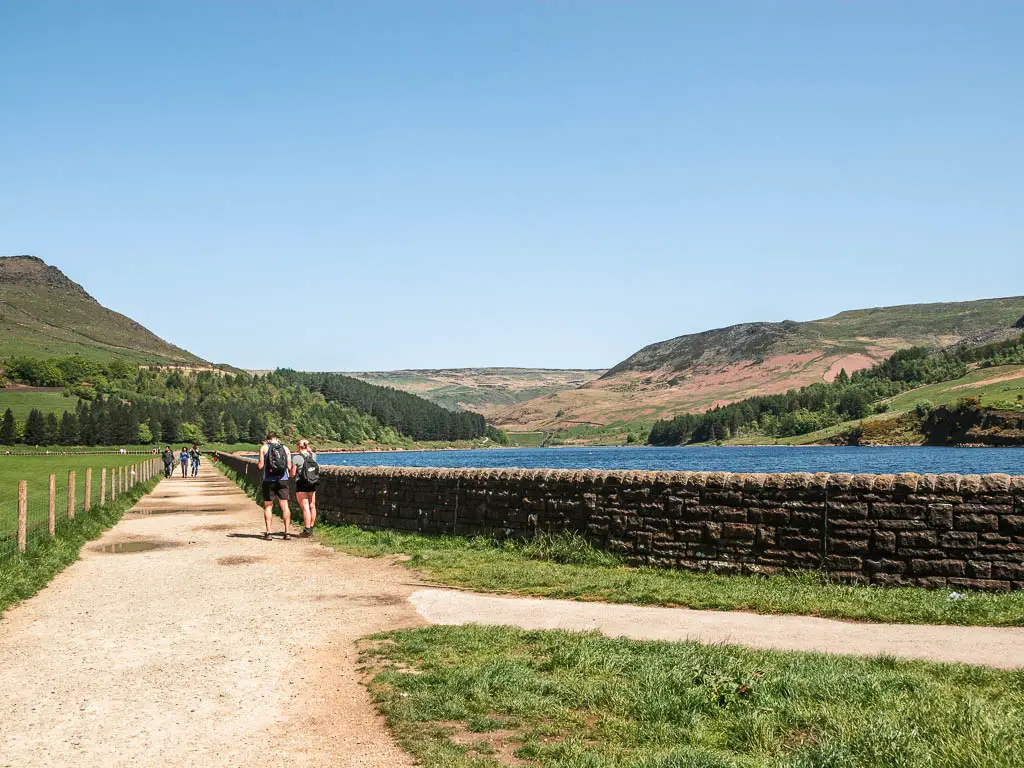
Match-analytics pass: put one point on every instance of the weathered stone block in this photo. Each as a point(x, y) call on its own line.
point(976, 522)
point(938, 567)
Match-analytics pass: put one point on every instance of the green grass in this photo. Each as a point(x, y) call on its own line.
point(36, 470)
point(568, 567)
point(21, 402)
point(470, 697)
point(22, 576)
point(527, 439)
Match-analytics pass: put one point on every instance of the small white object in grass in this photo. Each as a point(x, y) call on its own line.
point(956, 596)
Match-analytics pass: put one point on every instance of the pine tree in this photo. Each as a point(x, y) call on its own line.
point(35, 428)
point(7, 428)
point(52, 429)
point(69, 432)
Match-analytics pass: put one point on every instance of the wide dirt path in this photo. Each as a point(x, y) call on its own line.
point(989, 646)
point(213, 649)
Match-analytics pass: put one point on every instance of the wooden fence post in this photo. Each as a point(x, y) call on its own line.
point(71, 495)
point(22, 515)
point(113, 484)
point(103, 486)
point(53, 506)
point(88, 489)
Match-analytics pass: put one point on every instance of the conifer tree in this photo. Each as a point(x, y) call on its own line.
point(52, 429)
point(69, 433)
point(35, 428)
point(7, 428)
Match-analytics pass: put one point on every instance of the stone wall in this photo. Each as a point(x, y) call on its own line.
point(961, 531)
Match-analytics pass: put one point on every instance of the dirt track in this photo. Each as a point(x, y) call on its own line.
point(214, 649)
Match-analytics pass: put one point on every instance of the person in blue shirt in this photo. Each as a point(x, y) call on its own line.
point(275, 462)
point(183, 457)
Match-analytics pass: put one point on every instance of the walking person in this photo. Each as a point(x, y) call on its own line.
point(194, 455)
point(306, 472)
point(168, 461)
point(183, 457)
point(275, 462)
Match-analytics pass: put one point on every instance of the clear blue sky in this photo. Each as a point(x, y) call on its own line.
point(509, 183)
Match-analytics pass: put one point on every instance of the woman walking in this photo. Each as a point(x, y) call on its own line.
point(194, 454)
point(306, 473)
point(183, 458)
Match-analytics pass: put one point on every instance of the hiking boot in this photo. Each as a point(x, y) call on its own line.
point(286, 536)
point(266, 536)
point(306, 533)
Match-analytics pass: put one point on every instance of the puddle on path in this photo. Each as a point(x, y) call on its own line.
point(193, 511)
point(239, 560)
point(366, 600)
point(129, 547)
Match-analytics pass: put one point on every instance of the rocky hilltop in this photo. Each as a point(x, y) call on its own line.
point(45, 313)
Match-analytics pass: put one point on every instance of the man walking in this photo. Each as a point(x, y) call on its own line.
point(275, 462)
point(168, 461)
point(194, 455)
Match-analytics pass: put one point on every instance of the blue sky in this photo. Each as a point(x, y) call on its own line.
point(557, 184)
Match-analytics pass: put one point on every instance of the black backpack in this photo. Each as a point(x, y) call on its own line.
point(277, 459)
point(310, 470)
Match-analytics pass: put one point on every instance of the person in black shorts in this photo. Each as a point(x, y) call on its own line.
point(307, 475)
point(275, 462)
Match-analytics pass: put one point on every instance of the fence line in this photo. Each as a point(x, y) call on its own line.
point(37, 517)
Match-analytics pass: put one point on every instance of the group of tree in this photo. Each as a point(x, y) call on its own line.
point(407, 413)
point(820, 405)
point(119, 403)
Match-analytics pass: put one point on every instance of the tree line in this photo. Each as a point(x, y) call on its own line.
point(407, 413)
point(820, 405)
point(120, 403)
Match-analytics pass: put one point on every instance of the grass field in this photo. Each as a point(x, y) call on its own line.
point(21, 402)
point(36, 470)
point(527, 439)
point(470, 697)
point(567, 567)
point(24, 575)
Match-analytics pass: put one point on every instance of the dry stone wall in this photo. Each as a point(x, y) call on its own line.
point(960, 531)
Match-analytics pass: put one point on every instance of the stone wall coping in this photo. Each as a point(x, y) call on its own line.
point(906, 482)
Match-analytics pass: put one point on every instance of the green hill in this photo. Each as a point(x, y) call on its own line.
point(43, 313)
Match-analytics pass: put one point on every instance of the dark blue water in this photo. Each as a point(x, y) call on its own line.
point(712, 459)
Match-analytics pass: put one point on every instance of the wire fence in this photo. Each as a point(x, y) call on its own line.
point(35, 511)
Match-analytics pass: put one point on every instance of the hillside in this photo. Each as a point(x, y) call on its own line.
point(43, 313)
point(695, 372)
point(480, 389)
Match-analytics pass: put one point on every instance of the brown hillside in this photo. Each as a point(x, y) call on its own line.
point(696, 372)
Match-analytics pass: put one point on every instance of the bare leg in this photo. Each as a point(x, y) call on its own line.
point(268, 513)
point(286, 513)
point(303, 499)
point(312, 508)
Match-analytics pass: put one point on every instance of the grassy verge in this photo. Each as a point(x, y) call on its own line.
point(568, 567)
point(24, 575)
point(469, 697)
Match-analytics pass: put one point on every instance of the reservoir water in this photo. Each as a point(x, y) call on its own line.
point(709, 459)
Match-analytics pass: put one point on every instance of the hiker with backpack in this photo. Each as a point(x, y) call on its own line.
point(306, 473)
point(275, 462)
point(194, 455)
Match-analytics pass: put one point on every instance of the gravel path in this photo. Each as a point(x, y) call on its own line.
point(988, 646)
point(213, 649)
